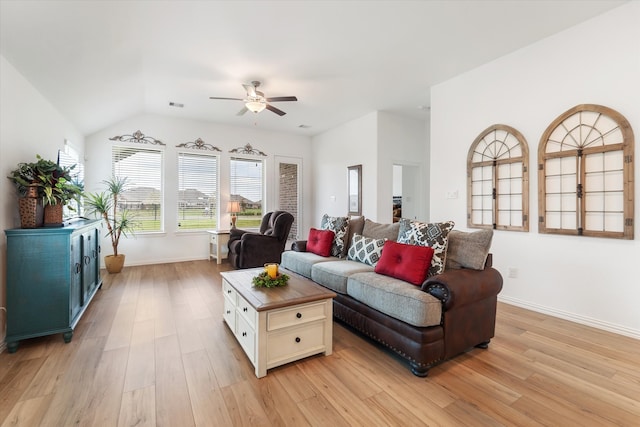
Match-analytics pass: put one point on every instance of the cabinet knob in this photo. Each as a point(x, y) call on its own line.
point(299, 315)
point(229, 291)
point(77, 267)
point(87, 260)
point(244, 309)
point(228, 311)
point(298, 339)
point(244, 334)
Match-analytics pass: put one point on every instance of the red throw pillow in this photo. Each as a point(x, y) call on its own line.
point(320, 241)
point(405, 262)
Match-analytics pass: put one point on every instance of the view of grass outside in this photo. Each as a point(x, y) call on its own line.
point(197, 204)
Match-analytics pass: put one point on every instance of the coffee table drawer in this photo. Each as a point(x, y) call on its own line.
point(228, 291)
point(295, 316)
point(246, 337)
point(247, 311)
point(229, 314)
point(293, 344)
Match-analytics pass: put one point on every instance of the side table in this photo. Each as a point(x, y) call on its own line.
point(218, 244)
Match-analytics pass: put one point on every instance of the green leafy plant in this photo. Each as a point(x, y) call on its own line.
point(263, 280)
point(119, 220)
point(55, 184)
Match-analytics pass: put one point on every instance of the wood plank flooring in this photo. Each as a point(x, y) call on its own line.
point(152, 350)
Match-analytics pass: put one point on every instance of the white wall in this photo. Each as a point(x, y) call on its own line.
point(29, 125)
point(401, 142)
point(173, 245)
point(353, 143)
point(377, 141)
point(590, 280)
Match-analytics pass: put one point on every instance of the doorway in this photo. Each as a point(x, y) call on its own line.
point(406, 191)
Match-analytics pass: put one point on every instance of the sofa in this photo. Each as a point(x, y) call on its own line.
point(425, 322)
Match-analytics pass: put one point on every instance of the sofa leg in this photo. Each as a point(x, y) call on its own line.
point(484, 345)
point(419, 371)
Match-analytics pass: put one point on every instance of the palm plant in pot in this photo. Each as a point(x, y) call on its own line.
point(119, 220)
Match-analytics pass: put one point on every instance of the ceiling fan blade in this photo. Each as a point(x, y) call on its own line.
point(231, 99)
point(241, 112)
point(275, 110)
point(282, 98)
point(251, 90)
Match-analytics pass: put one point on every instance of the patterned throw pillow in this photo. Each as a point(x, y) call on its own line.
point(365, 249)
point(340, 226)
point(434, 235)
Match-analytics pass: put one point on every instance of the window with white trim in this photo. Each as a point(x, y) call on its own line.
point(197, 191)
point(247, 187)
point(585, 174)
point(144, 195)
point(70, 158)
point(498, 180)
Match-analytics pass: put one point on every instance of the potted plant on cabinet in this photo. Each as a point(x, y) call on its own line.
point(118, 219)
point(59, 188)
point(44, 184)
point(29, 195)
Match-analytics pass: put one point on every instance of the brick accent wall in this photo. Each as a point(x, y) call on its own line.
point(289, 194)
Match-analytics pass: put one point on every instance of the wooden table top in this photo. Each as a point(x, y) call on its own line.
point(299, 290)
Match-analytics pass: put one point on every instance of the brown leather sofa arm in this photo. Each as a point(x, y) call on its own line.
point(299, 246)
point(464, 286)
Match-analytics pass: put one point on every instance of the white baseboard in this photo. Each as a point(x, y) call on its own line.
point(583, 320)
point(156, 261)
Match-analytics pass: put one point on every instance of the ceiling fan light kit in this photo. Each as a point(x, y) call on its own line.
point(255, 100)
point(255, 106)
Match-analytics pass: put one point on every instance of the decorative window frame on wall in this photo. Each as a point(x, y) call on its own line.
point(498, 180)
point(585, 174)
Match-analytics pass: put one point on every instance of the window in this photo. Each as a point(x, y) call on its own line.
point(68, 158)
point(197, 191)
point(143, 169)
point(498, 180)
point(247, 187)
point(585, 174)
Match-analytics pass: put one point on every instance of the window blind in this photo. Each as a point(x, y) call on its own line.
point(143, 169)
point(247, 187)
point(197, 191)
point(68, 158)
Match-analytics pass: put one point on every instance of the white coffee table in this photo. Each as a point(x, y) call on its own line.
point(279, 325)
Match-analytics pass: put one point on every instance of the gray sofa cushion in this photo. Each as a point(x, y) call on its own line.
point(334, 274)
point(395, 298)
point(376, 230)
point(301, 262)
point(468, 250)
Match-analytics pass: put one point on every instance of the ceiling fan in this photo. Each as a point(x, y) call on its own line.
point(256, 101)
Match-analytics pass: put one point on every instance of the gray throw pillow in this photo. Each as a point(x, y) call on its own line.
point(468, 250)
point(379, 231)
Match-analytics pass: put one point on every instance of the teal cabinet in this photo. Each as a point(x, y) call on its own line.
point(52, 275)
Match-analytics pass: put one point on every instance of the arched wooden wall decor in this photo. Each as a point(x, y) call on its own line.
point(585, 174)
point(498, 180)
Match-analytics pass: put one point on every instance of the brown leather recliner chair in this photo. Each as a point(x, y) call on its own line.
point(249, 249)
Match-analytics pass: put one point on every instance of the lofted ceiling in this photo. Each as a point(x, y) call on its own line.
point(101, 61)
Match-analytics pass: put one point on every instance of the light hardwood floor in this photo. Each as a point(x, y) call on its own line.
point(153, 350)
